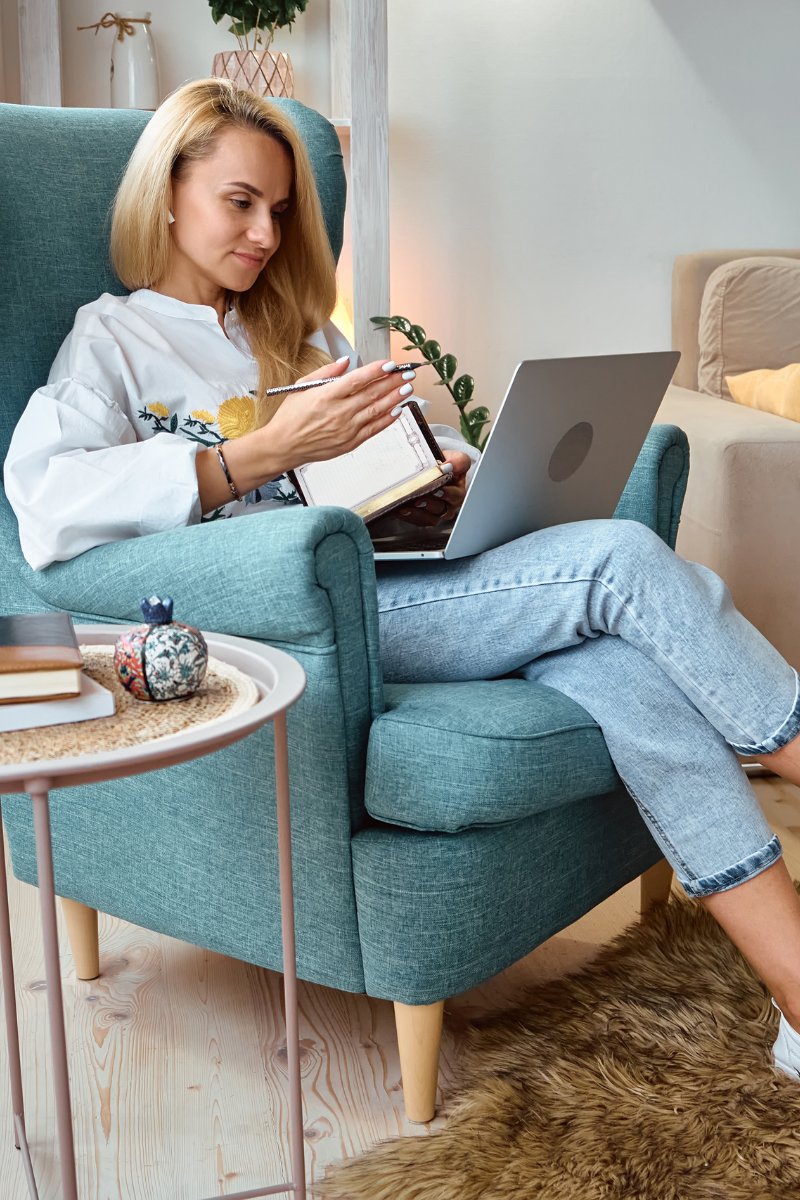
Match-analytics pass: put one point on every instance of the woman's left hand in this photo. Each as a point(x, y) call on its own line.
point(444, 503)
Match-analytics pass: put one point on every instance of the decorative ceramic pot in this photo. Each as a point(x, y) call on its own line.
point(161, 660)
point(265, 72)
point(134, 69)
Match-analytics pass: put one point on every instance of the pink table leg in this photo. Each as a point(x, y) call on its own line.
point(12, 1028)
point(37, 789)
point(289, 961)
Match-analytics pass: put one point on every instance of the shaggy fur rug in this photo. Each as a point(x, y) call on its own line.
point(646, 1076)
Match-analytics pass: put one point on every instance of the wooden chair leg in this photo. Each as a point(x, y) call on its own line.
point(655, 885)
point(419, 1034)
point(81, 925)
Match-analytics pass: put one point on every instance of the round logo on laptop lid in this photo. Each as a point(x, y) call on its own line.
point(570, 452)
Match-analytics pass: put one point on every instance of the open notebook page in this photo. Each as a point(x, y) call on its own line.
point(392, 458)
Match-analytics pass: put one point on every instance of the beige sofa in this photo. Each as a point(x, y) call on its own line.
point(741, 516)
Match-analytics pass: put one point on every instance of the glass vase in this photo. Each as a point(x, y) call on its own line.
point(134, 67)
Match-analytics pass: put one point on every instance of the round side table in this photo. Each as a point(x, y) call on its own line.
point(280, 681)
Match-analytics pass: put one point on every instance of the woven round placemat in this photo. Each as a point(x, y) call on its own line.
point(226, 692)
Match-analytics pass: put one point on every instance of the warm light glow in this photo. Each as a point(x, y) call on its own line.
point(342, 316)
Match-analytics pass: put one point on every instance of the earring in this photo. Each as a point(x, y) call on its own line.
point(171, 218)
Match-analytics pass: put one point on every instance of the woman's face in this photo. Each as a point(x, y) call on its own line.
point(227, 211)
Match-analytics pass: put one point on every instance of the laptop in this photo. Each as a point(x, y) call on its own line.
point(562, 448)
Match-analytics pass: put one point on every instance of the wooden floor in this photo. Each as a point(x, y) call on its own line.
point(177, 1060)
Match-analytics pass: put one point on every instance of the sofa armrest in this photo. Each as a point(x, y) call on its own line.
point(654, 493)
point(738, 518)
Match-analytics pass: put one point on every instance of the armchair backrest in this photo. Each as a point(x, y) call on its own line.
point(60, 171)
point(689, 277)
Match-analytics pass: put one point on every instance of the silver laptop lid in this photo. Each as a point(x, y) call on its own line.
point(562, 447)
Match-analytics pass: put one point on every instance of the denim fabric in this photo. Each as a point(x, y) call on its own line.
point(673, 674)
point(449, 756)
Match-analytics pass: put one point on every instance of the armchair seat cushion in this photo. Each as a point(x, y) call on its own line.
point(445, 757)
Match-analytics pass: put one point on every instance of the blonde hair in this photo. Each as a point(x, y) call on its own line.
point(296, 292)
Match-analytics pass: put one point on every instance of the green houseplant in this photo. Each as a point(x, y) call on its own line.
point(257, 17)
point(255, 66)
point(461, 388)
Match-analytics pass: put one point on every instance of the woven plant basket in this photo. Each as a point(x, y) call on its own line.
point(264, 72)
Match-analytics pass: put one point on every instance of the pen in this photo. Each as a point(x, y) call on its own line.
point(312, 383)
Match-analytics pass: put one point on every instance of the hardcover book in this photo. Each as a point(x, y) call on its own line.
point(396, 465)
point(39, 658)
point(94, 701)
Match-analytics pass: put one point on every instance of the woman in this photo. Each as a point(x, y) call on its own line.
point(155, 417)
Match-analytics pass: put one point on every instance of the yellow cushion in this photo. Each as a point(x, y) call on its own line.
point(770, 391)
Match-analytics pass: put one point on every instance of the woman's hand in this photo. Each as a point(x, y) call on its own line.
point(311, 426)
point(444, 503)
point(325, 422)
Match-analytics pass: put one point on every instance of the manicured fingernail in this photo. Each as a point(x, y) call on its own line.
point(406, 389)
point(447, 468)
point(439, 493)
point(409, 374)
point(398, 409)
point(345, 359)
point(390, 366)
point(422, 504)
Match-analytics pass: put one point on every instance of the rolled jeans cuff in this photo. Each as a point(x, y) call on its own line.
point(784, 734)
point(740, 872)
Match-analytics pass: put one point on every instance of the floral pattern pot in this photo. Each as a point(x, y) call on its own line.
point(162, 659)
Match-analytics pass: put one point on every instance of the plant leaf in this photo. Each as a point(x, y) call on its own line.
point(173, 425)
point(431, 349)
point(416, 334)
point(446, 367)
point(478, 416)
point(402, 325)
point(463, 388)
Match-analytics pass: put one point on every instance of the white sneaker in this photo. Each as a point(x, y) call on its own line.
point(786, 1050)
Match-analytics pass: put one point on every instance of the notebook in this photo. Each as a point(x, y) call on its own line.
point(396, 465)
point(39, 658)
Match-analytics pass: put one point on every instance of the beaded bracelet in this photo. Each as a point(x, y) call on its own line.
point(224, 465)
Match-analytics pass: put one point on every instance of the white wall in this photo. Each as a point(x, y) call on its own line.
point(549, 158)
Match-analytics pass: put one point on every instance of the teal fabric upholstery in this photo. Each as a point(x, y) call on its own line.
point(410, 914)
point(440, 913)
point(448, 756)
point(655, 491)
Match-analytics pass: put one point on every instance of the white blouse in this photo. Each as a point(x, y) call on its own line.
point(105, 451)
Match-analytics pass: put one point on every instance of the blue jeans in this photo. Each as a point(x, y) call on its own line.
point(649, 644)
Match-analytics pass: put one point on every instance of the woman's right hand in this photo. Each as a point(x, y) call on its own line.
point(310, 426)
point(325, 422)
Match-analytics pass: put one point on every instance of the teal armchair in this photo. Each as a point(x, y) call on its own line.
point(400, 892)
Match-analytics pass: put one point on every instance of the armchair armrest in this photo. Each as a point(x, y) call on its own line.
point(302, 579)
point(266, 576)
point(654, 493)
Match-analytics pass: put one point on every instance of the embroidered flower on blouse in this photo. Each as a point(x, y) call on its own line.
point(202, 414)
point(236, 416)
point(158, 409)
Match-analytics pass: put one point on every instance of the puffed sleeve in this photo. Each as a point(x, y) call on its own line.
point(76, 476)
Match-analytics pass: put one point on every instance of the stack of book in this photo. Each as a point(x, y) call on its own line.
point(42, 681)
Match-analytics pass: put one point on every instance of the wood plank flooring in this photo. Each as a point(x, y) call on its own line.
point(178, 1062)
